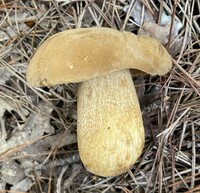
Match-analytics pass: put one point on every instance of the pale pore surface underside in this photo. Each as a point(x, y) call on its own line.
point(110, 129)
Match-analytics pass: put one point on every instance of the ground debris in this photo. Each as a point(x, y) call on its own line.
point(26, 134)
point(161, 33)
point(38, 145)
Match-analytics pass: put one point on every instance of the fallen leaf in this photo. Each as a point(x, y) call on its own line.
point(11, 172)
point(23, 186)
point(35, 127)
point(160, 33)
point(137, 13)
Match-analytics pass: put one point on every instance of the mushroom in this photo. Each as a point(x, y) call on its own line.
point(110, 130)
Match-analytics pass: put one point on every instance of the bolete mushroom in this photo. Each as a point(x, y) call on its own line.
point(109, 123)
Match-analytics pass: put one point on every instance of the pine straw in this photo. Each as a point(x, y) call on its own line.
point(171, 157)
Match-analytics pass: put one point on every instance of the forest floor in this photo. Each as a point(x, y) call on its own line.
point(38, 143)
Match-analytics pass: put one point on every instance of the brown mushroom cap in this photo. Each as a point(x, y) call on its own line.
point(81, 54)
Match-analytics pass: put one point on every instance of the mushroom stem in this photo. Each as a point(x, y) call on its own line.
point(110, 129)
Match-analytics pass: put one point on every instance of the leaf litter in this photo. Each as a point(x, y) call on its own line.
point(38, 146)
